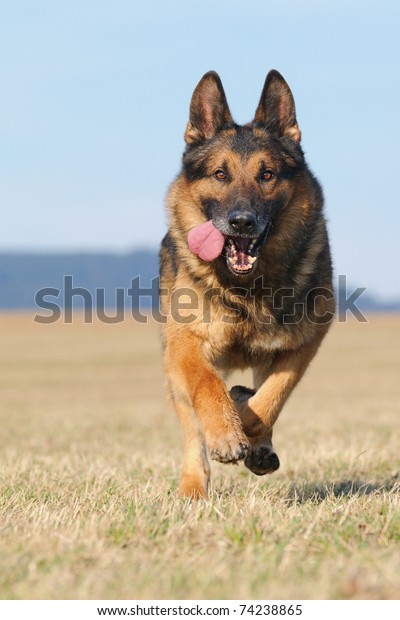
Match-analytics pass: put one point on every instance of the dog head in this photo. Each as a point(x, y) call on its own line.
point(241, 177)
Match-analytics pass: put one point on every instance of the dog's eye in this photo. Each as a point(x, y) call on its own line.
point(267, 175)
point(220, 175)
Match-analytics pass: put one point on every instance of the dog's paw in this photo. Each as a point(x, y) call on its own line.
point(193, 486)
point(228, 448)
point(262, 460)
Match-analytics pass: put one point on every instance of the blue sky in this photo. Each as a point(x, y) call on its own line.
point(94, 102)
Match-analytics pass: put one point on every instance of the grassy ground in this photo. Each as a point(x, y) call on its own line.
point(89, 464)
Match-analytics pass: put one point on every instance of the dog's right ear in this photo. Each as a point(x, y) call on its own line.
point(209, 110)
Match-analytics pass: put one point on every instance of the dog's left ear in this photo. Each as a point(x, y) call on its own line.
point(209, 110)
point(276, 110)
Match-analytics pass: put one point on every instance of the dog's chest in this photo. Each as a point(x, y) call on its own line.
point(247, 344)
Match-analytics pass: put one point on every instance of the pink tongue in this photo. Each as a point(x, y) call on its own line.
point(206, 241)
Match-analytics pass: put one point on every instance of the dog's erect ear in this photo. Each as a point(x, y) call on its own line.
point(209, 109)
point(276, 110)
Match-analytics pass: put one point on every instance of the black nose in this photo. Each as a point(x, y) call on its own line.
point(243, 222)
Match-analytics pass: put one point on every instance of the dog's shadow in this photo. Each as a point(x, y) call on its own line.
point(318, 492)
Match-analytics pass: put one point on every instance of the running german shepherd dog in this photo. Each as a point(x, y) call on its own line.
point(246, 278)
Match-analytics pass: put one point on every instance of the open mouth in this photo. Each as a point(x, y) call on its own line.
point(240, 255)
point(242, 252)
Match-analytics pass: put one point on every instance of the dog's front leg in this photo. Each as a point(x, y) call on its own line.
point(205, 409)
point(273, 382)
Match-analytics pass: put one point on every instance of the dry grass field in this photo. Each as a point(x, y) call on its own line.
point(89, 466)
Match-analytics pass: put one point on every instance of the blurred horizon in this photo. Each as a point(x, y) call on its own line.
point(95, 100)
point(25, 275)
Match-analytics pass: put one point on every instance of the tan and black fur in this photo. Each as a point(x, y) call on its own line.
point(272, 319)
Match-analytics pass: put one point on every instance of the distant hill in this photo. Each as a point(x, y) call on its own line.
point(23, 275)
point(367, 303)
